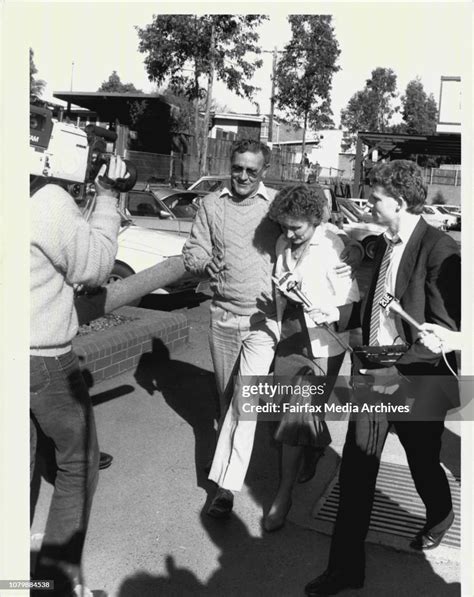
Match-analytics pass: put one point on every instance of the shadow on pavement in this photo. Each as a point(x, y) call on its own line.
point(281, 563)
point(112, 394)
point(278, 564)
point(189, 391)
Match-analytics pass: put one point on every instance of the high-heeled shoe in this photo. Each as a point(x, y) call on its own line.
point(310, 461)
point(276, 521)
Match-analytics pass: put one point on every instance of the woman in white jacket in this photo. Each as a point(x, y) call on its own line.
point(307, 252)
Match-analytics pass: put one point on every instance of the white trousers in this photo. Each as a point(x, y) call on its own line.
point(240, 346)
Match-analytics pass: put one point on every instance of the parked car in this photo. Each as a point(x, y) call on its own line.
point(439, 217)
point(210, 184)
point(361, 203)
point(140, 248)
point(452, 209)
point(214, 183)
point(161, 208)
point(456, 226)
point(360, 226)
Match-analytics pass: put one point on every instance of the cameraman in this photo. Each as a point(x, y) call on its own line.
point(66, 250)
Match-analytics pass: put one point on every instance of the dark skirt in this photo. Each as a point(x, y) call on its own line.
point(294, 363)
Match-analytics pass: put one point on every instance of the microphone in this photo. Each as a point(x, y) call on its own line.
point(390, 303)
point(292, 286)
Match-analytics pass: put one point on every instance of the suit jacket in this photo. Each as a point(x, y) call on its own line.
point(428, 286)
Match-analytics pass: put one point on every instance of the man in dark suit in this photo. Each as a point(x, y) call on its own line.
point(420, 266)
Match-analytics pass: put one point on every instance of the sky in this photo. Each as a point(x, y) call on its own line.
point(414, 39)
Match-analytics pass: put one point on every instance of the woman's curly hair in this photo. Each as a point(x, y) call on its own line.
point(299, 201)
point(401, 178)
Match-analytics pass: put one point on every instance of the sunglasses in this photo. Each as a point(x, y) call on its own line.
point(251, 173)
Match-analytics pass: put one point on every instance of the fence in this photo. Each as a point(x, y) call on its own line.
point(182, 169)
point(151, 165)
point(442, 176)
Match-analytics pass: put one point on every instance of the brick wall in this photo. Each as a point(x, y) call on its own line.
point(112, 351)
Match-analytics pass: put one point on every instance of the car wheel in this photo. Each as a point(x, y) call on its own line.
point(120, 271)
point(369, 246)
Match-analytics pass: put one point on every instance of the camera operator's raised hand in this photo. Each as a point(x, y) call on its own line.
point(109, 174)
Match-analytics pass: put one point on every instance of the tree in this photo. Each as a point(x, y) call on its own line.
point(189, 50)
point(371, 108)
point(419, 110)
point(36, 85)
point(382, 89)
point(115, 85)
point(303, 76)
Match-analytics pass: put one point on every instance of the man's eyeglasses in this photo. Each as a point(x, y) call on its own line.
point(250, 172)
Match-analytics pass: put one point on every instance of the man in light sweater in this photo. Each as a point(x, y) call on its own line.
point(66, 250)
point(233, 242)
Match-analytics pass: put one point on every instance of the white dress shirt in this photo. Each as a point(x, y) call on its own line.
point(387, 332)
point(319, 283)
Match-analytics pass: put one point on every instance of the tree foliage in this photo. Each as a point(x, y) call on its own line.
point(115, 85)
point(304, 74)
point(177, 47)
point(188, 50)
point(370, 109)
point(419, 110)
point(36, 85)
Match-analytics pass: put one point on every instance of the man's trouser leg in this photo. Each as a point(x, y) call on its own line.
point(422, 443)
point(357, 477)
point(225, 343)
point(234, 446)
point(61, 407)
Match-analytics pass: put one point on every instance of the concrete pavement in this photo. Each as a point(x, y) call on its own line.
point(148, 535)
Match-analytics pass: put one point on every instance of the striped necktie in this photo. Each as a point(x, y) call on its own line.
point(379, 292)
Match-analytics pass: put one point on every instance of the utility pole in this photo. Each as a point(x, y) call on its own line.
point(72, 73)
point(207, 113)
point(275, 53)
point(272, 97)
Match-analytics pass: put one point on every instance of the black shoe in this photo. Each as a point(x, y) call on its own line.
point(429, 538)
point(105, 460)
point(310, 461)
point(331, 583)
point(222, 504)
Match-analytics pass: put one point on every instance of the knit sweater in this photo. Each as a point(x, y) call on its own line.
point(65, 250)
point(240, 232)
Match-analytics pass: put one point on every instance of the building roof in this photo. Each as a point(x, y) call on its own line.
point(400, 146)
point(309, 141)
point(240, 117)
point(110, 106)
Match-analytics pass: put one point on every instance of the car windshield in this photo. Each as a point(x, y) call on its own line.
point(209, 185)
point(357, 213)
point(142, 204)
point(444, 210)
point(181, 204)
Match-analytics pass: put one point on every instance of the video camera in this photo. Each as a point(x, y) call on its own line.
point(61, 150)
